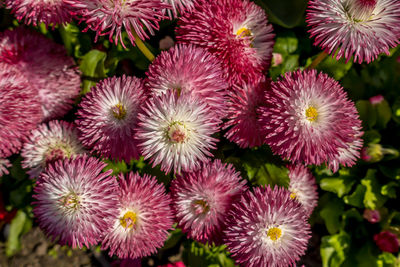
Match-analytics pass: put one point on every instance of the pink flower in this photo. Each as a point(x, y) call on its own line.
point(141, 218)
point(376, 99)
point(176, 132)
point(303, 187)
point(243, 114)
point(267, 228)
point(189, 70)
point(48, 143)
point(387, 241)
point(4, 164)
point(112, 17)
point(309, 119)
point(75, 201)
point(202, 200)
point(360, 28)
point(45, 66)
point(235, 31)
point(277, 59)
point(107, 118)
point(40, 11)
point(179, 7)
point(20, 111)
point(176, 264)
point(373, 216)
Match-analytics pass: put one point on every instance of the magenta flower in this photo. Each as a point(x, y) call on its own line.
point(40, 11)
point(179, 7)
point(142, 218)
point(46, 67)
point(75, 201)
point(375, 100)
point(20, 110)
point(387, 241)
point(107, 117)
point(4, 165)
point(48, 143)
point(176, 132)
point(202, 199)
point(235, 31)
point(373, 216)
point(360, 28)
point(303, 188)
point(310, 119)
point(189, 70)
point(267, 228)
point(112, 17)
point(243, 117)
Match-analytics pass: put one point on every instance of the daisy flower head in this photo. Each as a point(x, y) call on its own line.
point(179, 7)
point(308, 117)
point(267, 228)
point(48, 143)
point(360, 28)
point(112, 17)
point(143, 219)
point(189, 70)
point(235, 31)
point(75, 201)
point(107, 117)
point(46, 67)
point(243, 124)
point(176, 132)
point(202, 199)
point(20, 110)
point(49, 12)
point(303, 188)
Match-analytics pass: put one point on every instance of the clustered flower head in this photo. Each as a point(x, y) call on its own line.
point(141, 219)
point(309, 119)
point(110, 18)
point(45, 66)
point(50, 142)
point(360, 28)
point(108, 116)
point(40, 11)
point(202, 199)
point(235, 31)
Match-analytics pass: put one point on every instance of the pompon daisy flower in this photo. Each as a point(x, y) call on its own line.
point(46, 67)
point(202, 199)
point(48, 143)
point(108, 115)
point(179, 7)
point(189, 70)
point(75, 201)
point(303, 188)
point(40, 11)
point(112, 17)
point(243, 126)
point(176, 132)
point(360, 28)
point(267, 228)
point(143, 219)
point(20, 110)
point(4, 165)
point(236, 31)
point(308, 118)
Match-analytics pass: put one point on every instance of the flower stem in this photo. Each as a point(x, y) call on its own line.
point(321, 56)
point(142, 47)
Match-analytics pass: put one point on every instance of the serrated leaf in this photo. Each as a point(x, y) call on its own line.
point(373, 199)
point(334, 249)
point(340, 185)
point(387, 259)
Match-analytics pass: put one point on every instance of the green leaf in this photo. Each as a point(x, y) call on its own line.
point(372, 136)
point(335, 68)
point(387, 259)
point(384, 113)
point(267, 174)
point(389, 189)
point(286, 44)
point(13, 244)
point(340, 185)
point(173, 239)
point(334, 249)
point(396, 110)
point(116, 166)
point(357, 198)
point(373, 198)
point(367, 113)
point(92, 67)
point(286, 13)
point(331, 213)
point(390, 172)
point(198, 255)
point(69, 34)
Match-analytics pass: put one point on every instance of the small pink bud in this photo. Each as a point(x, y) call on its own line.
point(166, 43)
point(277, 59)
point(387, 241)
point(373, 216)
point(376, 99)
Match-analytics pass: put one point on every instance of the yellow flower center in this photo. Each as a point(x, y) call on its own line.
point(274, 233)
point(200, 206)
point(244, 32)
point(71, 201)
point(293, 195)
point(311, 113)
point(118, 111)
point(128, 220)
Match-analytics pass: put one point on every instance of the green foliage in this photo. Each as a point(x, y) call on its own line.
point(286, 13)
point(200, 255)
point(334, 249)
point(19, 225)
point(92, 67)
